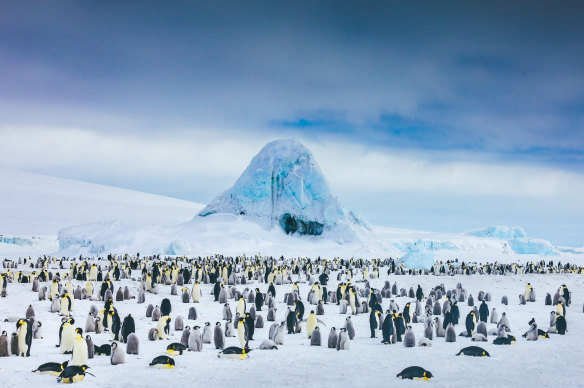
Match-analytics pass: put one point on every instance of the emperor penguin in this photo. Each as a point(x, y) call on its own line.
point(353, 302)
point(311, 323)
point(218, 337)
point(90, 323)
point(165, 307)
point(268, 345)
point(29, 312)
point(66, 305)
point(229, 330)
point(128, 327)
point(343, 342)
point(24, 329)
point(90, 347)
point(195, 340)
point(332, 338)
point(315, 339)
point(55, 305)
point(14, 344)
point(470, 324)
point(387, 329)
point(259, 323)
point(561, 326)
point(439, 328)
point(374, 322)
point(196, 292)
point(67, 336)
point(482, 328)
point(163, 327)
point(207, 334)
point(522, 299)
point(179, 323)
point(532, 334)
point(548, 299)
point(117, 355)
point(450, 333)
point(80, 351)
point(504, 322)
point(4, 346)
point(242, 333)
point(429, 331)
point(156, 314)
point(409, 338)
point(37, 330)
point(241, 306)
point(279, 333)
point(528, 289)
point(552, 319)
point(227, 314)
point(192, 314)
point(494, 316)
point(349, 328)
point(184, 339)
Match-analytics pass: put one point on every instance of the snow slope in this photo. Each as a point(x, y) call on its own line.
point(33, 208)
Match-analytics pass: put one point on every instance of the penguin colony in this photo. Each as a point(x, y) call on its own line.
point(247, 288)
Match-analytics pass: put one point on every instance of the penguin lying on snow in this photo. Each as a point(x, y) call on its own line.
point(73, 374)
point(504, 340)
point(474, 351)
point(162, 362)
point(175, 349)
point(51, 368)
point(234, 352)
point(415, 373)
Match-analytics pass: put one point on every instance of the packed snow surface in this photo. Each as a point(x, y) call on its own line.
point(368, 363)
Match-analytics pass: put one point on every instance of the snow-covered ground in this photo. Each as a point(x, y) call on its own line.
point(553, 362)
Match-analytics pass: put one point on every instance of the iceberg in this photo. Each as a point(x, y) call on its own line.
point(498, 231)
point(529, 246)
point(283, 186)
point(417, 257)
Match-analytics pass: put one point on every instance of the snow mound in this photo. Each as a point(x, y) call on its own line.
point(498, 231)
point(417, 257)
point(284, 186)
point(530, 246)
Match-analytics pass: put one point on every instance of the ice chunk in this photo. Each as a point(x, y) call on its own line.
point(417, 257)
point(530, 246)
point(498, 231)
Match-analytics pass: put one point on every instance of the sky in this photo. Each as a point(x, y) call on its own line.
point(440, 116)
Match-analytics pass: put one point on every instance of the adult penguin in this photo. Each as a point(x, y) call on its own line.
point(163, 328)
point(561, 325)
point(241, 308)
point(250, 323)
point(259, 299)
point(387, 328)
point(299, 308)
point(51, 368)
point(407, 314)
point(242, 333)
point(165, 307)
point(67, 336)
point(73, 374)
point(374, 322)
point(128, 327)
point(455, 313)
point(216, 290)
point(66, 305)
point(400, 327)
point(484, 312)
point(415, 373)
point(419, 294)
point(116, 325)
point(162, 362)
point(80, 350)
point(311, 323)
point(234, 352)
point(291, 320)
point(272, 290)
point(474, 351)
point(470, 324)
point(24, 329)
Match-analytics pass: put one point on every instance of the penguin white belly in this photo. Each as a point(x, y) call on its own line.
point(310, 325)
point(67, 338)
point(241, 335)
point(80, 352)
point(22, 345)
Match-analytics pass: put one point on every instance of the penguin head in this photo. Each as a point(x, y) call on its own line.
point(114, 345)
point(218, 324)
point(79, 331)
point(428, 374)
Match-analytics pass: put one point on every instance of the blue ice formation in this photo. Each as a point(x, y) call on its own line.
point(15, 240)
point(498, 231)
point(284, 186)
point(430, 245)
point(417, 257)
point(529, 246)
